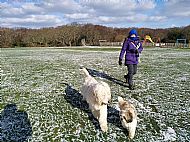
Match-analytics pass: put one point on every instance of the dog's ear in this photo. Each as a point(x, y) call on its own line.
point(84, 70)
point(131, 117)
point(97, 98)
point(120, 102)
point(101, 99)
point(120, 99)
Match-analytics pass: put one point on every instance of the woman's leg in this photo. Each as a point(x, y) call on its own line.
point(126, 78)
point(130, 74)
point(134, 69)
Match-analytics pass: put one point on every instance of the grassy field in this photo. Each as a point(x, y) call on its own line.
point(40, 95)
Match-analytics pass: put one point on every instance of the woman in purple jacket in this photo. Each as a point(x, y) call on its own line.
point(131, 48)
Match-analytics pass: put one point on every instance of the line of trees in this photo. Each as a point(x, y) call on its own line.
point(73, 34)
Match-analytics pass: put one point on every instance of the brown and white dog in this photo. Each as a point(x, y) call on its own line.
point(128, 116)
point(97, 94)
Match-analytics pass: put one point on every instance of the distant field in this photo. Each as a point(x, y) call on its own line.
point(44, 84)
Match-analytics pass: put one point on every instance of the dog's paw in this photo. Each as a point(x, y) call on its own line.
point(104, 128)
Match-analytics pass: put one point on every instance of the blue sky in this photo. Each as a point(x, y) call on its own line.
point(112, 13)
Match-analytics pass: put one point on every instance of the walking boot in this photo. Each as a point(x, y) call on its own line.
point(131, 87)
point(126, 78)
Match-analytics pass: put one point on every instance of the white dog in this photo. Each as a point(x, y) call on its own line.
point(128, 116)
point(97, 94)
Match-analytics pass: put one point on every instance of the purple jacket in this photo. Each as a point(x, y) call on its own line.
point(131, 49)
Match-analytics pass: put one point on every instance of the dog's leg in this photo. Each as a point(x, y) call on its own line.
point(103, 118)
point(132, 128)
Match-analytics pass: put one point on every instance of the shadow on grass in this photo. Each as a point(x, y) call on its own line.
point(14, 125)
point(75, 99)
point(96, 73)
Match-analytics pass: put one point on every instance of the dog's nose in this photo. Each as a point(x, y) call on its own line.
point(121, 118)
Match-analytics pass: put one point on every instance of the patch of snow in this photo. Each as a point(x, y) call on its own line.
point(170, 134)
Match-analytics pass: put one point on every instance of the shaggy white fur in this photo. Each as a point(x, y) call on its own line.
point(97, 94)
point(128, 116)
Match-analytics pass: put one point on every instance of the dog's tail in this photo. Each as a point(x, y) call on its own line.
point(85, 71)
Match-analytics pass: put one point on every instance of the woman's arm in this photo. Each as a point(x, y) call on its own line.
point(123, 49)
point(140, 48)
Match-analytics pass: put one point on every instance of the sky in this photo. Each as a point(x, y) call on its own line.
point(111, 13)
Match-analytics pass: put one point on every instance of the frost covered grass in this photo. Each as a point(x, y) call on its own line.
point(45, 83)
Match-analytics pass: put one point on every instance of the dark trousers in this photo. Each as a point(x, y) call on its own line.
point(132, 70)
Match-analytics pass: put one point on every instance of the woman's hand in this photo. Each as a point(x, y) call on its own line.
point(120, 62)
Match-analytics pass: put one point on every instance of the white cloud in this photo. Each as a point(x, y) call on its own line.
point(183, 13)
point(9, 11)
point(66, 6)
point(157, 18)
point(32, 21)
point(117, 7)
point(107, 12)
point(177, 8)
point(78, 16)
point(146, 4)
point(106, 19)
point(173, 25)
point(32, 8)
